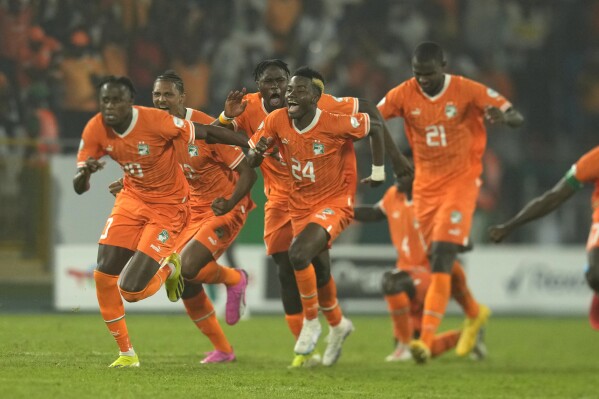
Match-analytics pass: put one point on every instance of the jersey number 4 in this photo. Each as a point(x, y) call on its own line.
point(306, 172)
point(435, 136)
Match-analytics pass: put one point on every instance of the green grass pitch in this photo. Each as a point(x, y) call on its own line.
point(66, 356)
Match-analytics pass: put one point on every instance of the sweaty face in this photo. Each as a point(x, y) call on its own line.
point(301, 97)
point(115, 104)
point(166, 96)
point(272, 84)
point(429, 75)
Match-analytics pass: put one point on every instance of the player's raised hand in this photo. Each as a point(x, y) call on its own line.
point(494, 115)
point(498, 232)
point(235, 104)
point(263, 144)
point(220, 206)
point(116, 186)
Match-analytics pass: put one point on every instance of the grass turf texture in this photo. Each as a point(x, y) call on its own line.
point(66, 356)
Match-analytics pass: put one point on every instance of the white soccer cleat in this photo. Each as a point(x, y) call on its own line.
point(400, 354)
point(337, 336)
point(306, 342)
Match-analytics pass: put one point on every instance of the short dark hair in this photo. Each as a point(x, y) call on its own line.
point(171, 76)
point(119, 80)
point(311, 74)
point(261, 67)
point(429, 51)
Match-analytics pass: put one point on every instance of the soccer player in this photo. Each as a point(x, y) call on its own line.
point(317, 148)
point(246, 114)
point(150, 212)
point(444, 123)
point(585, 170)
point(405, 288)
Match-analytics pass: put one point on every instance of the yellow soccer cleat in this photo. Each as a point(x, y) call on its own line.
point(311, 360)
point(420, 352)
point(470, 331)
point(125, 361)
point(174, 283)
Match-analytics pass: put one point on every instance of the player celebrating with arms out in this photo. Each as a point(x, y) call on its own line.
point(585, 170)
point(444, 123)
point(313, 145)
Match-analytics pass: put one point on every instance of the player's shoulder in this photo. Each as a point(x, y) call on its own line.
point(327, 99)
point(198, 116)
point(254, 100)
point(592, 154)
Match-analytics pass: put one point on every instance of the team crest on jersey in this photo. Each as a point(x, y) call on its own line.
point(450, 110)
point(143, 148)
point(318, 148)
point(354, 122)
point(193, 150)
point(456, 217)
point(178, 121)
point(163, 236)
point(328, 211)
point(492, 93)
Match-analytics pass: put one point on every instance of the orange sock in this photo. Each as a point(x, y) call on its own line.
point(153, 286)
point(444, 342)
point(435, 303)
point(112, 309)
point(200, 310)
point(213, 273)
point(295, 323)
point(399, 309)
point(460, 291)
point(327, 299)
point(306, 284)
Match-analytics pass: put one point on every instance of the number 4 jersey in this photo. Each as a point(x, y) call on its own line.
point(446, 132)
point(145, 152)
point(316, 155)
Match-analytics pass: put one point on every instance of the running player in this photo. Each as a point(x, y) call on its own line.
point(405, 288)
point(444, 123)
point(316, 147)
point(150, 212)
point(585, 170)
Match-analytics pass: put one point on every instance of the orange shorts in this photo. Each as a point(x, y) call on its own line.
point(149, 228)
point(214, 232)
point(334, 219)
point(421, 276)
point(277, 227)
point(447, 215)
point(593, 241)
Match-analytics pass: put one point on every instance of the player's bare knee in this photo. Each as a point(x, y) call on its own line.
point(398, 281)
point(443, 255)
point(298, 258)
point(189, 267)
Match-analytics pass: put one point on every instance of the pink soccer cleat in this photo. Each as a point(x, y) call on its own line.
point(594, 312)
point(236, 299)
point(218, 357)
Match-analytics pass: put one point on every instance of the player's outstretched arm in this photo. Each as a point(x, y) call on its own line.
point(81, 179)
point(511, 117)
point(247, 178)
point(368, 214)
point(216, 134)
point(401, 165)
point(535, 209)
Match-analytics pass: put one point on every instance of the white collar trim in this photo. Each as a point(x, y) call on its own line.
point(188, 114)
point(443, 90)
point(135, 113)
point(311, 125)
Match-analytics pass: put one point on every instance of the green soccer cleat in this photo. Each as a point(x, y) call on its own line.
point(125, 361)
point(306, 361)
point(470, 331)
point(174, 283)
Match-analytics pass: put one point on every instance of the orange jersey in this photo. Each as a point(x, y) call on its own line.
point(145, 152)
point(277, 181)
point(208, 167)
point(405, 232)
point(586, 170)
point(446, 132)
point(315, 156)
